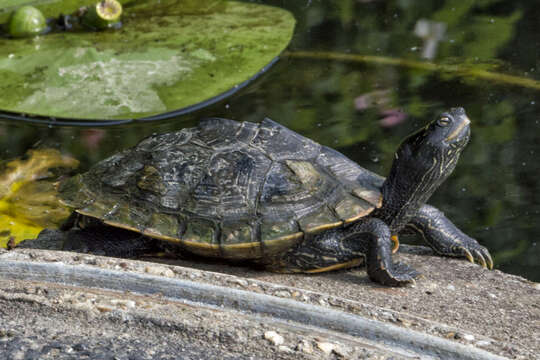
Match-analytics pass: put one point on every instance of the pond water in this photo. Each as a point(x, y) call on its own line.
point(363, 105)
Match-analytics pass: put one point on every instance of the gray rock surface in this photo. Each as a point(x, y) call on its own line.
point(45, 315)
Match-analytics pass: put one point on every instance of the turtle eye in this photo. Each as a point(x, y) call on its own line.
point(444, 121)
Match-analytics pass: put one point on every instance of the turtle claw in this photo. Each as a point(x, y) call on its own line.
point(484, 257)
point(489, 260)
point(480, 258)
point(467, 253)
point(475, 253)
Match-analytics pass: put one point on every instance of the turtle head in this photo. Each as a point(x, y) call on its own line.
point(422, 162)
point(434, 149)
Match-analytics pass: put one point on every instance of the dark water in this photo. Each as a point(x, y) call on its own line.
point(364, 106)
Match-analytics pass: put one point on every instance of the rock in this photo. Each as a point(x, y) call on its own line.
point(123, 304)
point(285, 349)
point(467, 337)
point(274, 337)
point(483, 343)
point(282, 293)
point(241, 282)
point(305, 347)
point(326, 347)
point(159, 271)
point(342, 352)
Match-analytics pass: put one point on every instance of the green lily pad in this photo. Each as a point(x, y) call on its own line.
point(166, 59)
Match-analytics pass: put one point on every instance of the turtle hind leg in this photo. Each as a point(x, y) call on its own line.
point(47, 240)
point(321, 253)
point(341, 248)
point(109, 241)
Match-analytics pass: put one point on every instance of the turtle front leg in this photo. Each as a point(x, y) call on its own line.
point(373, 237)
point(345, 247)
point(446, 239)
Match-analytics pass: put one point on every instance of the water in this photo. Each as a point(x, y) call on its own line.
point(364, 106)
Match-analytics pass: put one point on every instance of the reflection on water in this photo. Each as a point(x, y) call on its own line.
point(365, 108)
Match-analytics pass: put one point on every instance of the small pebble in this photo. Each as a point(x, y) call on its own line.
point(305, 347)
point(241, 282)
point(274, 337)
point(104, 308)
point(467, 337)
point(282, 293)
point(285, 349)
point(129, 304)
point(483, 343)
point(342, 352)
point(159, 270)
point(326, 347)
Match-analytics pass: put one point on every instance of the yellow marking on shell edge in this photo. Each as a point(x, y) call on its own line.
point(195, 244)
point(199, 245)
point(246, 245)
point(345, 265)
point(148, 232)
point(369, 196)
point(293, 236)
point(323, 227)
point(85, 213)
point(359, 216)
point(121, 226)
point(395, 241)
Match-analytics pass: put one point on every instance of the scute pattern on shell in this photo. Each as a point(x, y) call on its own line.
point(226, 189)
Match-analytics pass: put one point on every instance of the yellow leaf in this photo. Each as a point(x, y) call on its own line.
point(28, 195)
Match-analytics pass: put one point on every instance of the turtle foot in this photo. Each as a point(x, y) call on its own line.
point(400, 274)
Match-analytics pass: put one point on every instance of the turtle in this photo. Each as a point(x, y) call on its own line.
point(264, 193)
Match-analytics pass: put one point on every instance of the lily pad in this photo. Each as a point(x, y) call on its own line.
point(28, 196)
point(165, 60)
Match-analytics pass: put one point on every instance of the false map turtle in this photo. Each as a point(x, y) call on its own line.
point(261, 192)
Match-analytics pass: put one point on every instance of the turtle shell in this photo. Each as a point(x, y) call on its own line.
point(226, 189)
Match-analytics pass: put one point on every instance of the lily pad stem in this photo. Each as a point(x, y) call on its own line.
point(456, 70)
